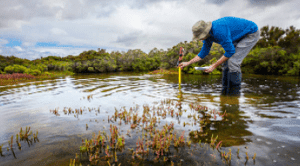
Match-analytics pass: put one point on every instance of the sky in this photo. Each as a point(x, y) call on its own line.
point(38, 28)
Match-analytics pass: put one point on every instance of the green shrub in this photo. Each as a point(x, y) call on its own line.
point(295, 70)
point(15, 69)
point(91, 69)
point(9, 69)
point(34, 72)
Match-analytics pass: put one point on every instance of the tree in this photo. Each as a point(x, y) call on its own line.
point(270, 36)
point(291, 41)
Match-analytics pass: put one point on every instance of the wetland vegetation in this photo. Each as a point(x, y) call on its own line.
point(276, 53)
point(146, 119)
point(126, 108)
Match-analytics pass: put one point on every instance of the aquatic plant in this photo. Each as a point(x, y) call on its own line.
point(21, 136)
point(213, 140)
point(24, 135)
point(35, 135)
point(89, 97)
point(77, 111)
point(154, 140)
point(11, 141)
point(254, 156)
point(1, 149)
point(218, 145)
point(72, 162)
point(55, 112)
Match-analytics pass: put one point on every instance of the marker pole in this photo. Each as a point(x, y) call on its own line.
point(179, 68)
point(179, 76)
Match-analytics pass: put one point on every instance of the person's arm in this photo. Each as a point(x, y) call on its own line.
point(220, 61)
point(195, 59)
point(184, 64)
point(207, 43)
point(215, 65)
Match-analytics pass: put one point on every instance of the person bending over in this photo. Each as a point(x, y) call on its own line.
point(237, 36)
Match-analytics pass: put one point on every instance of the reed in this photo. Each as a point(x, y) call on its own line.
point(154, 139)
point(254, 156)
point(26, 134)
point(21, 136)
point(11, 141)
point(1, 149)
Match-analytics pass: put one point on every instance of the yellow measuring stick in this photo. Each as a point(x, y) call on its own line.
point(179, 68)
point(179, 75)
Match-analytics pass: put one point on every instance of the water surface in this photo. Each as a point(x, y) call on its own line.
point(264, 119)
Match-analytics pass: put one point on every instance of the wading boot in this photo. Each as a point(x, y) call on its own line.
point(225, 81)
point(234, 83)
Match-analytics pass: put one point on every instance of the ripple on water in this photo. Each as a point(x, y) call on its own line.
point(109, 92)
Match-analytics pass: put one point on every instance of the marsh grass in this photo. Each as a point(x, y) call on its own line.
point(15, 78)
point(26, 136)
point(156, 140)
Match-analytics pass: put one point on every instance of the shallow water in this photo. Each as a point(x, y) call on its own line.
point(264, 119)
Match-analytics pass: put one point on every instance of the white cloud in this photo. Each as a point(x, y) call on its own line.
point(3, 41)
point(18, 48)
point(282, 14)
point(59, 51)
point(122, 25)
point(57, 31)
point(28, 44)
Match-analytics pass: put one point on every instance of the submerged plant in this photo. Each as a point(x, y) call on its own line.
point(11, 141)
point(35, 135)
point(26, 134)
point(153, 139)
point(72, 162)
point(21, 136)
point(213, 140)
point(254, 156)
point(1, 149)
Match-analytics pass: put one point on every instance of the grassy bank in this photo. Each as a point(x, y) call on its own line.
point(15, 78)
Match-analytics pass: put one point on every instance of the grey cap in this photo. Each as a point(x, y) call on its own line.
point(201, 29)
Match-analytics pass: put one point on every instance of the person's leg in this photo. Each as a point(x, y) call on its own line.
point(235, 80)
point(225, 78)
point(242, 49)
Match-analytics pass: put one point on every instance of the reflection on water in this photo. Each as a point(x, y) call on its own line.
point(265, 115)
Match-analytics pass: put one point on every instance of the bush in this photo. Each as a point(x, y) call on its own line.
point(15, 69)
point(34, 72)
point(295, 70)
point(91, 69)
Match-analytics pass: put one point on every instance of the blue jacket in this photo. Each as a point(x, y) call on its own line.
point(225, 31)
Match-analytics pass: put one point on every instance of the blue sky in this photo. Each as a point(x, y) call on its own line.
point(13, 42)
point(34, 28)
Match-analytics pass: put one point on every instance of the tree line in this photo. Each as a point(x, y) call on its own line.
point(276, 53)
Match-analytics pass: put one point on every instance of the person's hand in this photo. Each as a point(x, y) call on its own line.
point(210, 69)
point(183, 64)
